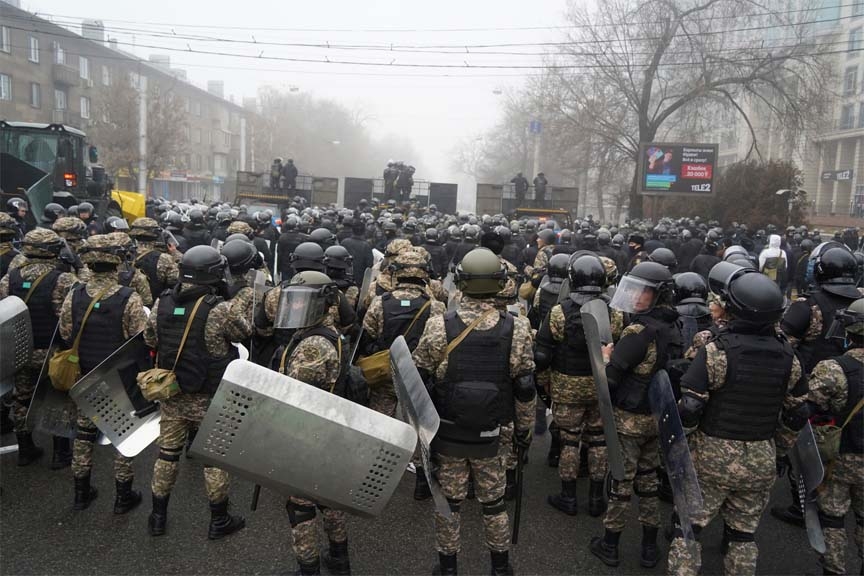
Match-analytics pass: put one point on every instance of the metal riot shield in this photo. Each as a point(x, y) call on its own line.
point(110, 397)
point(598, 332)
point(453, 300)
point(564, 293)
point(676, 453)
point(807, 464)
point(365, 286)
point(300, 440)
point(16, 336)
point(449, 284)
point(51, 411)
point(217, 244)
point(377, 256)
point(419, 411)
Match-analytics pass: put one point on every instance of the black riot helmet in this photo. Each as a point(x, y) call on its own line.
point(338, 258)
point(547, 236)
point(202, 265)
point(116, 224)
point(748, 295)
point(646, 286)
point(52, 212)
point(241, 256)
point(323, 237)
point(604, 238)
point(504, 233)
point(196, 217)
point(85, 208)
point(432, 235)
point(835, 269)
point(690, 288)
point(558, 266)
point(587, 275)
point(665, 257)
point(307, 256)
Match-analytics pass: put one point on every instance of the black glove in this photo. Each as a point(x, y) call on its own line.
point(522, 438)
point(782, 465)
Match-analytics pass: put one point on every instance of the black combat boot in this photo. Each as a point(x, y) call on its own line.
point(310, 569)
point(158, 516)
point(790, 515)
point(61, 456)
point(566, 500)
point(540, 419)
point(446, 565)
point(554, 455)
point(596, 502)
point(221, 523)
point(510, 488)
point(421, 485)
point(337, 561)
point(28, 452)
point(6, 423)
point(126, 498)
point(501, 564)
point(649, 555)
point(606, 548)
point(84, 493)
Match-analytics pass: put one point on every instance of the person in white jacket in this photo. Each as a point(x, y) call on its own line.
point(772, 261)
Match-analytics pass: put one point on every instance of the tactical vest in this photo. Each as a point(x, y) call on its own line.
point(6, 259)
point(811, 352)
point(852, 438)
point(197, 371)
point(330, 335)
point(771, 267)
point(549, 297)
point(148, 265)
point(632, 392)
point(103, 332)
point(398, 315)
point(476, 394)
point(125, 277)
point(748, 406)
point(571, 355)
point(42, 318)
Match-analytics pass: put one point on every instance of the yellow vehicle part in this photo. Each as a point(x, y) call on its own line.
point(131, 204)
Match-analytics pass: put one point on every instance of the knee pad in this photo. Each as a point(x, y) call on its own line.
point(828, 521)
point(495, 507)
point(87, 434)
point(734, 535)
point(454, 504)
point(170, 454)
point(643, 476)
point(614, 494)
point(678, 532)
point(596, 438)
point(299, 513)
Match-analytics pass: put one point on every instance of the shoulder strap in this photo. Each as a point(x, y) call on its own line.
point(186, 331)
point(93, 302)
point(458, 340)
point(34, 285)
point(417, 316)
point(855, 411)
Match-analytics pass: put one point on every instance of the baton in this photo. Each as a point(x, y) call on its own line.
point(256, 492)
point(517, 515)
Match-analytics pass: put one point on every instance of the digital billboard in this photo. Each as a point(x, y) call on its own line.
point(683, 169)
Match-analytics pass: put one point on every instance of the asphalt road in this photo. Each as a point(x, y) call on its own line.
point(41, 534)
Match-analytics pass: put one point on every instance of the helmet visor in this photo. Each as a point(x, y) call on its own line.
point(634, 295)
point(299, 307)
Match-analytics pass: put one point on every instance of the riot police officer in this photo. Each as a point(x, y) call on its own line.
point(736, 390)
point(360, 250)
point(196, 232)
point(438, 253)
point(550, 287)
point(9, 232)
point(195, 308)
point(152, 258)
point(478, 361)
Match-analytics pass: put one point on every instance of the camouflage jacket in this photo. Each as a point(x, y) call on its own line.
point(828, 386)
point(134, 317)
point(373, 322)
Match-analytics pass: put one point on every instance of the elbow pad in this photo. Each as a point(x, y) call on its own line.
point(542, 358)
point(796, 419)
point(690, 408)
point(347, 316)
point(524, 388)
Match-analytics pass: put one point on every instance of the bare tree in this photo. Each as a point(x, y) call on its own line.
point(633, 68)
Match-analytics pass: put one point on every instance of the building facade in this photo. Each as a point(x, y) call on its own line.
point(51, 74)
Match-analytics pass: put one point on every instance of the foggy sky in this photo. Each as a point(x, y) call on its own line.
point(434, 112)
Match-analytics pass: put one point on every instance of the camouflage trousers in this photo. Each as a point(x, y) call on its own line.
point(82, 453)
point(489, 482)
point(180, 414)
point(580, 422)
point(741, 509)
point(641, 460)
point(842, 490)
point(22, 391)
point(304, 527)
point(505, 447)
point(383, 399)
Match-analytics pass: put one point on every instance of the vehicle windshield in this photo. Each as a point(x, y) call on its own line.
point(50, 152)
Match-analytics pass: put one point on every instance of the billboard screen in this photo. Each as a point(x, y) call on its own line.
point(685, 169)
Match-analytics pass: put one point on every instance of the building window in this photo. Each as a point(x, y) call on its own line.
point(34, 50)
point(857, 9)
point(854, 42)
point(187, 133)
point(106, 75)
point(5, 87)
point(5, 43)
point(226, 136)
point(861, 115)
point(59, 100)
point(35, 95)
point(186, 105)
point(196, 108)
point(83, 68)
point(59, 54)
point(847, 117)
point(850, 80)
point(85, 107)
point(196, 135)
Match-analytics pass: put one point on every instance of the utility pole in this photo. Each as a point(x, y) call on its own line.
point(142, 134)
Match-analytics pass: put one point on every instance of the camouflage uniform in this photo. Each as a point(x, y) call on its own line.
point(385, 279)
point(134, 320)
point(844, 482)
point(240, 227)
point(735, 477)
point(542, 259)
point(166, 266)
point(225, 324)
point(488, 473)
point(33, 263)
point(574, 408)
point(316, 362)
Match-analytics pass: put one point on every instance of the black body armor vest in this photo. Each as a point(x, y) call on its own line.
point(42, 318)
point(852, 439)
point(821, 348)
point(571, 355)
point(103, 332)
point(147, 264)
point(397, 318)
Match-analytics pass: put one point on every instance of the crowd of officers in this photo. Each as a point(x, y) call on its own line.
point(495, 347)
